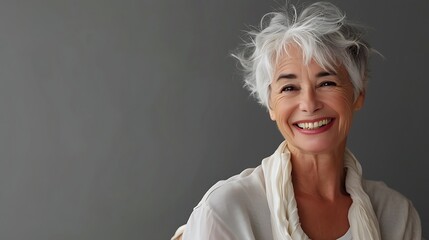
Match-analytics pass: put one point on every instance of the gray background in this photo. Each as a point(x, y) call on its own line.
point(117, 116)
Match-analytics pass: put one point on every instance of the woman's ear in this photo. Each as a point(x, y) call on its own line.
point(270, 110)
point(359, 101)
point(272, 113)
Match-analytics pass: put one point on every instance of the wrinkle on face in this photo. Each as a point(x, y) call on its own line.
point(338, 100)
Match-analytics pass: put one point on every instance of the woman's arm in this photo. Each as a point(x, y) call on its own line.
point(204, 224)
point(179, 233)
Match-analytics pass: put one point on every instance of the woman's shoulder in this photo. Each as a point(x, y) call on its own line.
point(396, 213)
point(384, 198)
point(379, 192)
point(237, 191)
point(235, 208)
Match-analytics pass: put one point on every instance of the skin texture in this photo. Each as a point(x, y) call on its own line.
point(309, 93)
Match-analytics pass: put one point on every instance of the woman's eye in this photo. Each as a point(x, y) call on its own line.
point(288, 88)
point(327, 84)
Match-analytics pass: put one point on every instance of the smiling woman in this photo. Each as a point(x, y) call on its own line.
point(310, 71)
point(313, 107)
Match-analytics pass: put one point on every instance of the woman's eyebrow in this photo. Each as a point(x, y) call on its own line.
point(287, 76)
point(293, 76)
point(325, 73)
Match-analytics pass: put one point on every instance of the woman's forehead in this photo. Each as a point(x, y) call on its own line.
point(293, 54)
point(297, 63)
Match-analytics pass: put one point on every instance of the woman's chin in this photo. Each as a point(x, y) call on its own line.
point(314, 147)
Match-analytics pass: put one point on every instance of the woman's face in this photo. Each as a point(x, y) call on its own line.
point(313, 107)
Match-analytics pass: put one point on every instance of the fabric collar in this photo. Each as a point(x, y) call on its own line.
point(285, 223)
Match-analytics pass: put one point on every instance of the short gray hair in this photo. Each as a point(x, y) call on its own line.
point(320, 30)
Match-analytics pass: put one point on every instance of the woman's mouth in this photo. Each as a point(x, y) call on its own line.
point(313, 125)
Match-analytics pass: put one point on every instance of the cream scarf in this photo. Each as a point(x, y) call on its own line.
point(284, 212)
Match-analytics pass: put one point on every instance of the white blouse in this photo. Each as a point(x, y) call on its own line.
point(347, 236)
point(237, 208)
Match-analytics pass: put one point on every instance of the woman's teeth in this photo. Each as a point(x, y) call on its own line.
point(314, 125)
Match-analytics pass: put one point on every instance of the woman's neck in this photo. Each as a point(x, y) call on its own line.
point(319, 175)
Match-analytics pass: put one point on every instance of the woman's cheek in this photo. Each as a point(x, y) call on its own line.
point(277, 104)
point(346, 113)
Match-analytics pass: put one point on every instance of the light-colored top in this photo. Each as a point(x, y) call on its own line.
point(237, 208)
point(347, 236)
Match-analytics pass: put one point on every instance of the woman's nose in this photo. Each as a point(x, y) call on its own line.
point(309, 101)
